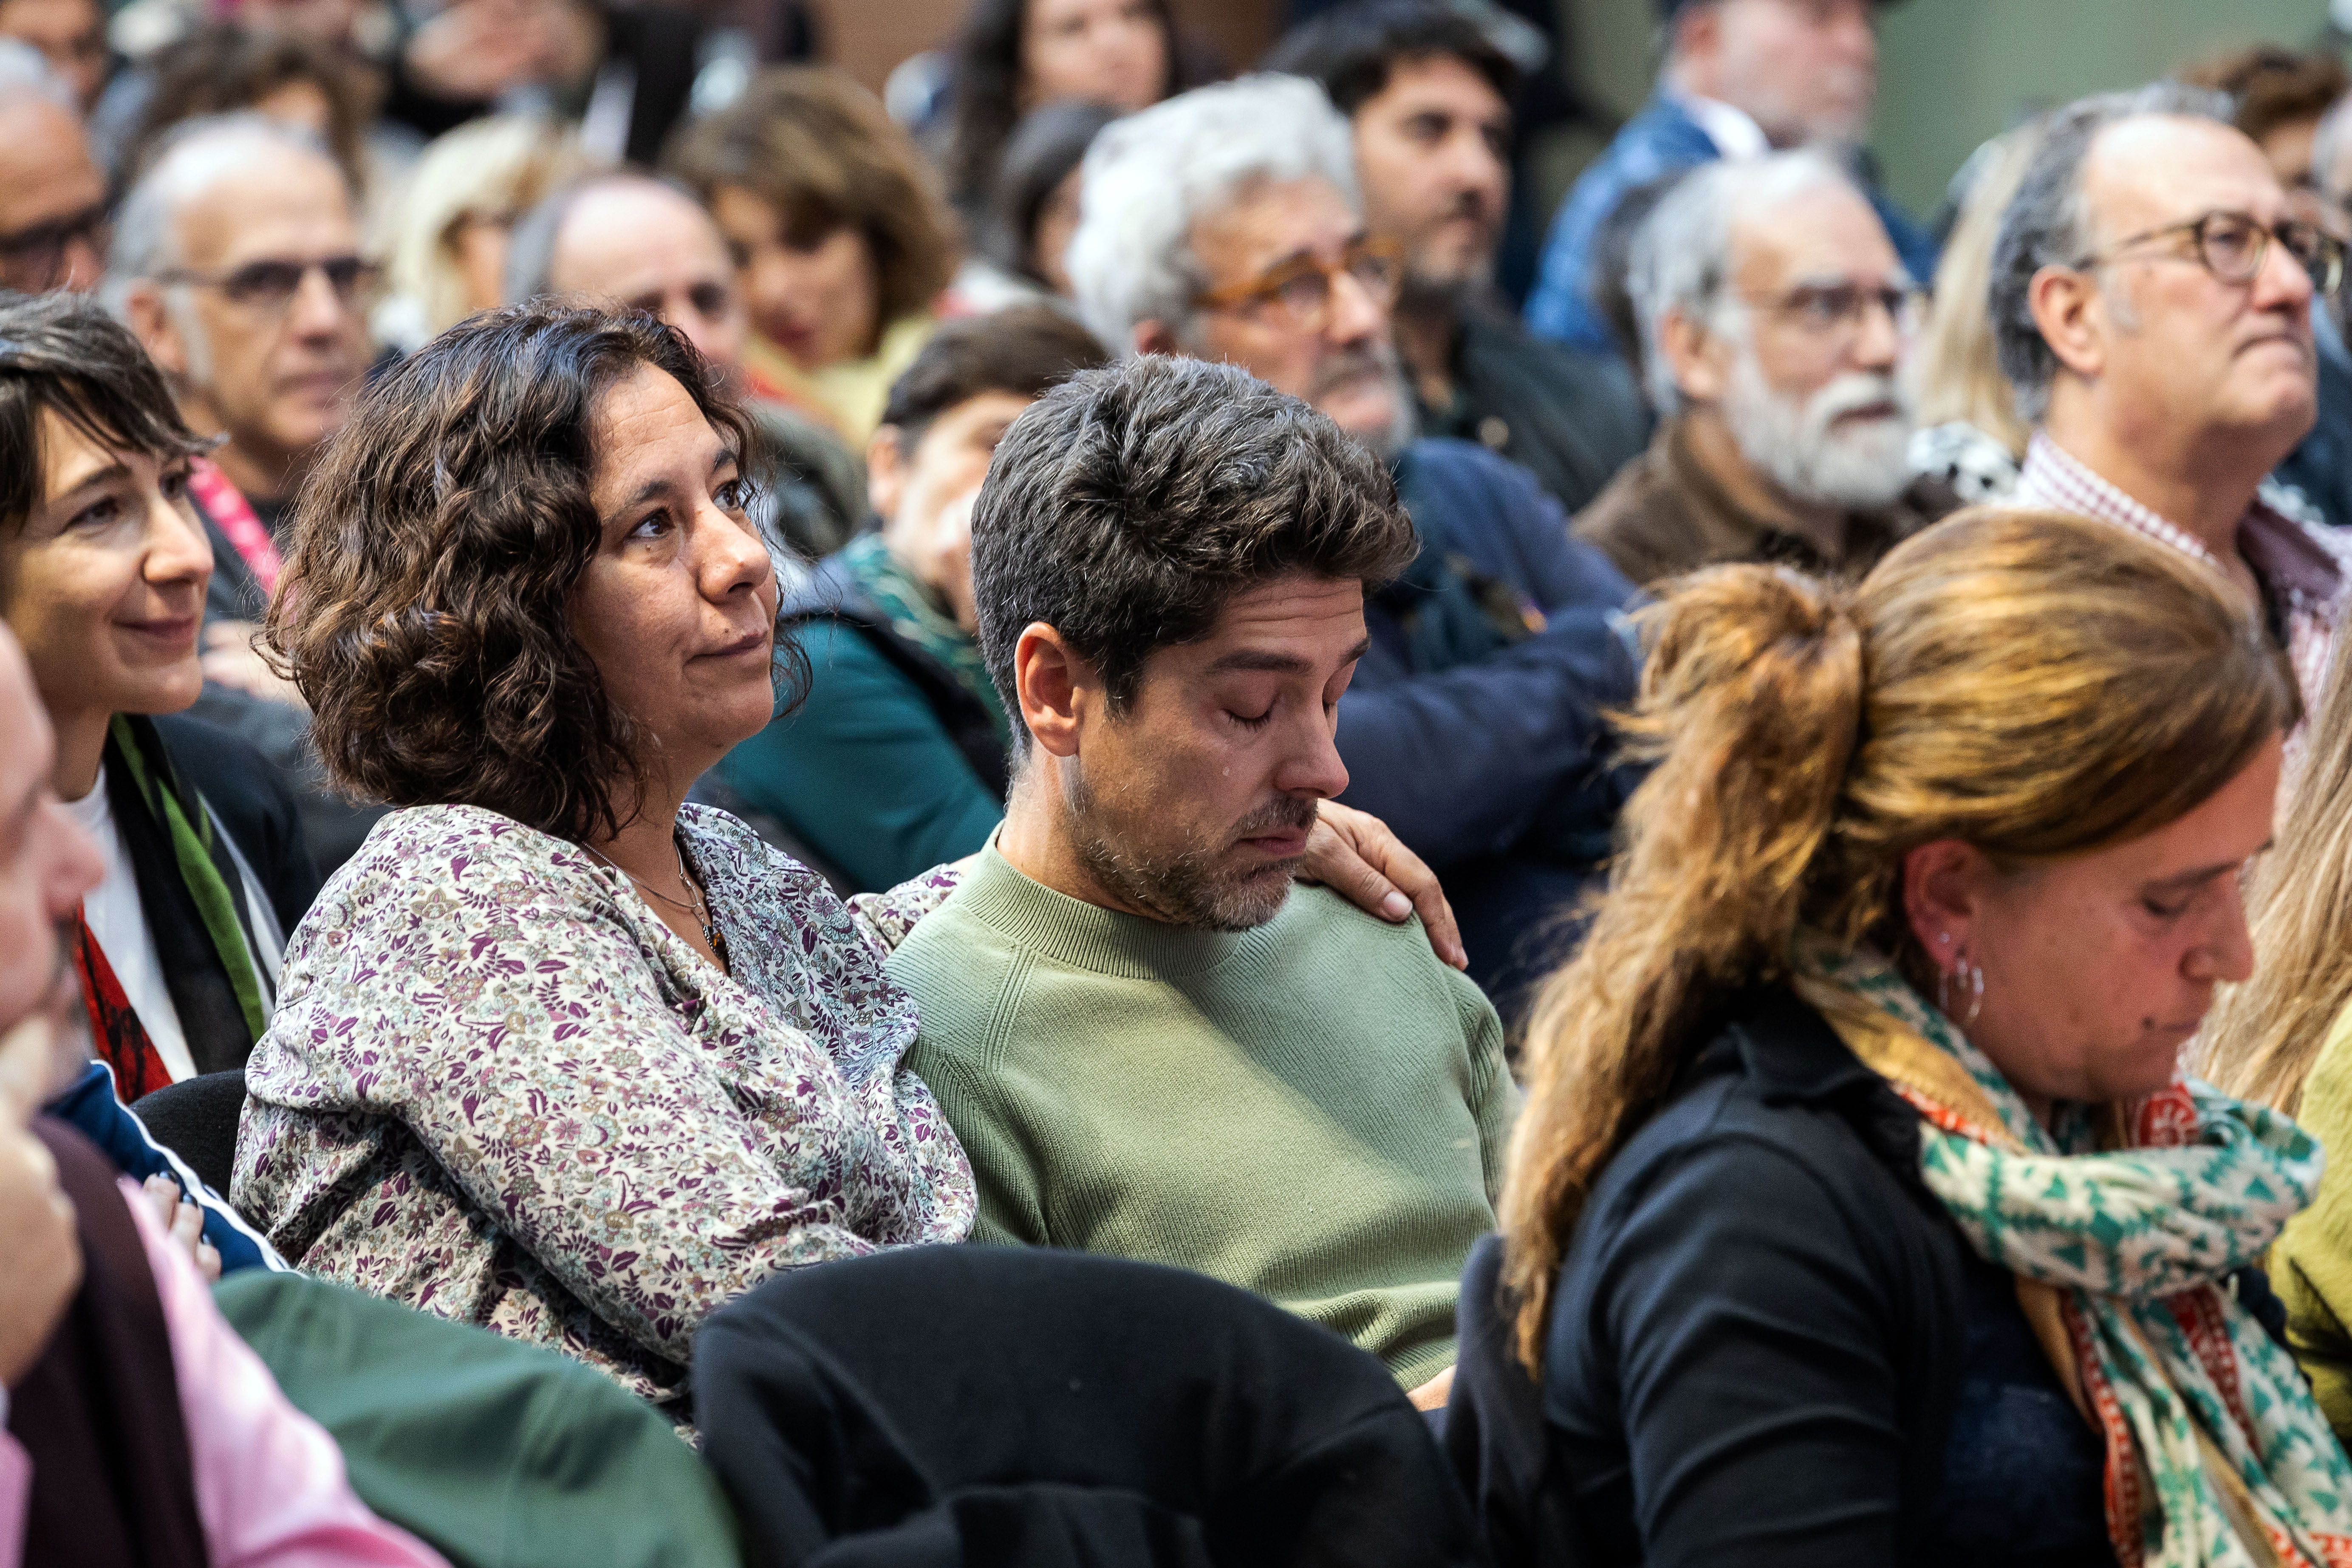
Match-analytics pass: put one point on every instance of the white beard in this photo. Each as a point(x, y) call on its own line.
point(1801, 448)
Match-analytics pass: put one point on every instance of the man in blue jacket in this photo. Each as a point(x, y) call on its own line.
point(1741, 78)
point(1224, 223)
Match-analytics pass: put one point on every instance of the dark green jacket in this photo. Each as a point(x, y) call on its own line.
point(501, 1454)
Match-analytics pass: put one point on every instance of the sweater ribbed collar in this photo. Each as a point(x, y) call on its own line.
point(1088, 936)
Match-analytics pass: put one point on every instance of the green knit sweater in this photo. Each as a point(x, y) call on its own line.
point(1315, 1109)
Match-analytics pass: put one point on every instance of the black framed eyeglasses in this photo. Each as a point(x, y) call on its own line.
point(33, 258)
point(270, 285)
point(1840, 310)
point(2232, 246)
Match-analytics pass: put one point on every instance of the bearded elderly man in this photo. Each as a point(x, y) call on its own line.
point(1224, 223)
point(1148, 1043)
point(1774, 315)
point(2151, 304)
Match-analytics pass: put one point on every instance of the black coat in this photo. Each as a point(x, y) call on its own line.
point(1771, 1344)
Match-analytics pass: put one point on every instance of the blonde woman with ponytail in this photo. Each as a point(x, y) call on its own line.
point(1858, 1213)
point(2284, 1038)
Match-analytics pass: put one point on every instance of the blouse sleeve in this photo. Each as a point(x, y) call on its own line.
point(270, 1482)
point(528, 1040)
point(2311, 1266)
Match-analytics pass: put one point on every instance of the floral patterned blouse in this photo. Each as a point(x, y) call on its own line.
point(497, 1087)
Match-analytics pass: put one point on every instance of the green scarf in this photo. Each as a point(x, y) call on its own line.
point(2126, 1223)
point(915, 616)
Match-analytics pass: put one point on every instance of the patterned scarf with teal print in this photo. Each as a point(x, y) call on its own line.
point(2120, 1227)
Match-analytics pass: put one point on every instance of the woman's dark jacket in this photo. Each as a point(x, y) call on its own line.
point(1771, 1344)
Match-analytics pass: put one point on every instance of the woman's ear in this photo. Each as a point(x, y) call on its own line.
point(1943, 899)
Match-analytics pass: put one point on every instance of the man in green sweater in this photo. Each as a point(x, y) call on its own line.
point(1150, 1042)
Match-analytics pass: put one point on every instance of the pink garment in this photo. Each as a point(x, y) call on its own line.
point(270, 1482)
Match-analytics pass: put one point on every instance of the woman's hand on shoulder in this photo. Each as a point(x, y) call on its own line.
point(1354, 854)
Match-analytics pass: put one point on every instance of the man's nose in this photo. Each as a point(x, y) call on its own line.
point(1878, 341)
point(1314, 768)
point(317, 311)
point(1357, 316)
point(2282, 283)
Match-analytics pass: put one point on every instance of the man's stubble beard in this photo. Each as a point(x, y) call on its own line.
point(1185, 889)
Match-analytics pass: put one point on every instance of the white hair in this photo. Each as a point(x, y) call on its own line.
point(184, 166)
point(1681, 257)
point(1150, 177)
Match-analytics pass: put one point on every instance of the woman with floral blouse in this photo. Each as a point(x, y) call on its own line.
point(557, 1053)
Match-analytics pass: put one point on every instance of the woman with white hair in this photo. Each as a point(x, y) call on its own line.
point(450, 232)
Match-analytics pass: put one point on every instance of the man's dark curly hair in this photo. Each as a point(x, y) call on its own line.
point(1129, 505)
point(425, 605)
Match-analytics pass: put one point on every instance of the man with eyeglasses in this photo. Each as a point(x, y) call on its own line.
point(1428, 95)
point(1224, 224)
point(236, 260)
point(2151, 303)
point(52, 197)
point(645, 242)
point(1774, 316)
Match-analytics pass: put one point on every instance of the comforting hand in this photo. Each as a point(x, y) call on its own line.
point(37, 1219)
point(231, 659)
point(1354, 854)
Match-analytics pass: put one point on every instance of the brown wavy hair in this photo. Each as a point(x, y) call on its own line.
point(2037, 685)
point(425, 605)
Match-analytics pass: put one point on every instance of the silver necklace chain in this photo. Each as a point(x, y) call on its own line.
point(699, 910)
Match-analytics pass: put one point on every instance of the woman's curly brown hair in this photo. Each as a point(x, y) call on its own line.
point(425, 605)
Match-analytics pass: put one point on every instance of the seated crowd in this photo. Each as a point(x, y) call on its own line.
point(689, 878)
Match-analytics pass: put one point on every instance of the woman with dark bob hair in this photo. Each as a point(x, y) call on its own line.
point(556, 1052)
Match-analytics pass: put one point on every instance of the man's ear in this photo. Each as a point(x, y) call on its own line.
point(1694, 355)
point(885, 473)
point(1056, 688)
point(151, 323)
point(2073, 316)
point(1155, 336)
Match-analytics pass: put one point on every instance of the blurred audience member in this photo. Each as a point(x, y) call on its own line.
point(535, 679)
point(1131, 1017)
point(2319, 469)
point(1836, 1122)
point(2276, 97)
point(841, 241)
point(53, 229)
point(1429, 99)
point(226, 68)
point(1775, 317)
point(1223, 224)
point(1033, 209)
point(1613, 262)
point(894, 760)
point(70, 36)
point(237, 261)
point(1741, 77)
point(638, 241)
point(1969, 435)
point(466, 59)
point(1018, 56)
point(139, 1427)
point(450, 232)
point(2152, 300)
point(2284, 1038)
point(103, 565)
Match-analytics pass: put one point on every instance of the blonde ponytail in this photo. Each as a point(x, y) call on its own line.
point(2036, 684)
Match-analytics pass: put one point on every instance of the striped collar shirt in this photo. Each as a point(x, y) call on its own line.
point(2300, 566)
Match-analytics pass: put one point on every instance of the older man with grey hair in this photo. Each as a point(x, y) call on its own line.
point(237, 261)
point(1224, 224)
point(1774, 317)
point(2151, 304)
